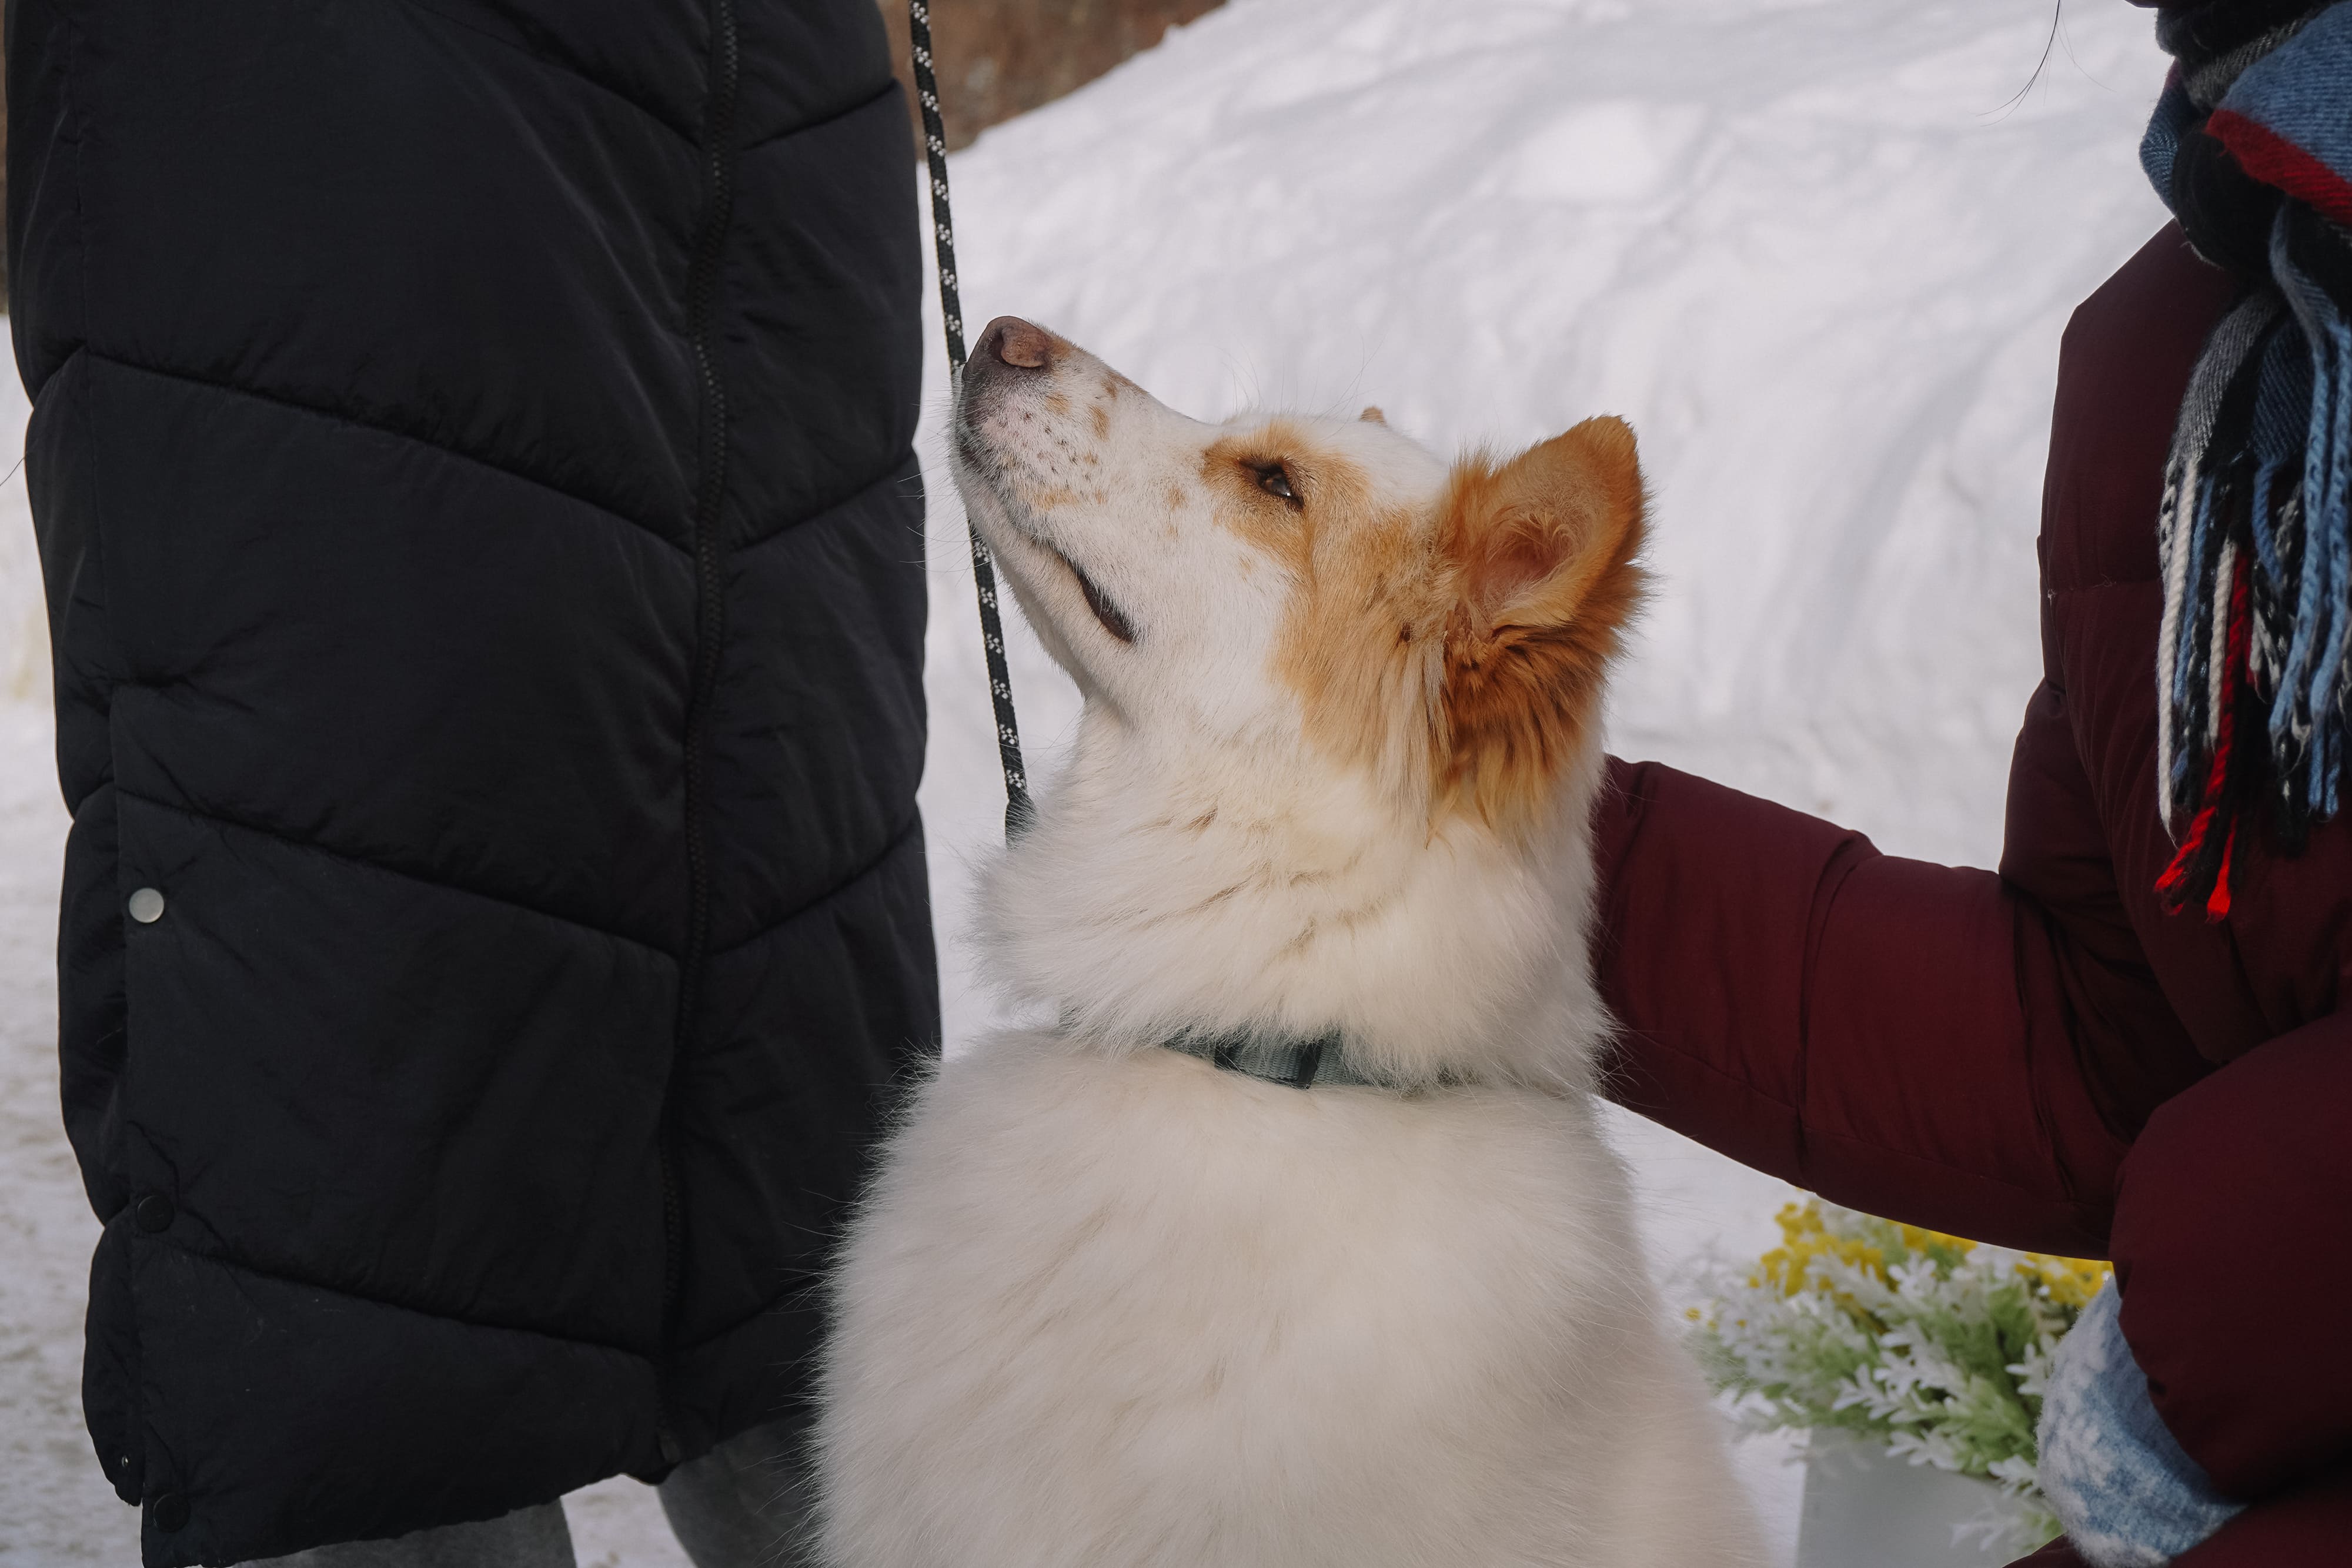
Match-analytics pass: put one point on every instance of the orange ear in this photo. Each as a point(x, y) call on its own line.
point(1544, 552)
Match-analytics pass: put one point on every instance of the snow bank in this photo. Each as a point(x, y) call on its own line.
point(1820, 253)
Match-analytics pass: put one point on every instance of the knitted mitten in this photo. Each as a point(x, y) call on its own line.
point(2127, 1495)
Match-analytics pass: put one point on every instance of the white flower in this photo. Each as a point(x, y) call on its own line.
point(1934, 1348)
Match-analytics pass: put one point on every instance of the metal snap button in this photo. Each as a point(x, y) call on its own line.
point(155, 1212)
point(147, 906)
point(171, 1511)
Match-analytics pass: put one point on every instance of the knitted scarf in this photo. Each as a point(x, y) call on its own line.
point(2251, 148)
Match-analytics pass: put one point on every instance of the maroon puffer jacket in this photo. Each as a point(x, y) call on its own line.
point(2042, 1058)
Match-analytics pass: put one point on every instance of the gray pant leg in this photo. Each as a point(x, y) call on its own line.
point(527, 1538)
point(746, 1503)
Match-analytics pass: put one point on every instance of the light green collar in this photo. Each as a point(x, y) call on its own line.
point(1298, 1062)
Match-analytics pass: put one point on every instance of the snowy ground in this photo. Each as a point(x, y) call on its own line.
point(1817, 250)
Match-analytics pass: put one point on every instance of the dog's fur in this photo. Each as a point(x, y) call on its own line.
point(1106, 1306)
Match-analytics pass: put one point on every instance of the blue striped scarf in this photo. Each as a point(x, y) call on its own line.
point(2251, 148)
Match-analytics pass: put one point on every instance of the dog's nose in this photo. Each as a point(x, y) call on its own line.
point(1011, 341)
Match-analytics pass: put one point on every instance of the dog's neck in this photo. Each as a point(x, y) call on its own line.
point(1159, 893)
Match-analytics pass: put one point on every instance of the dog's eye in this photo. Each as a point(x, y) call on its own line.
point(1274, 480)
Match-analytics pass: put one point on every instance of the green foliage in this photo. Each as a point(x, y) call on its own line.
point(1929, 1345)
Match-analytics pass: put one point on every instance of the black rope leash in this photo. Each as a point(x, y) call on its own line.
point(1017, 809)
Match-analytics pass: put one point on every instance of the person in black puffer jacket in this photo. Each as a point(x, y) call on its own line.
point(471, 458)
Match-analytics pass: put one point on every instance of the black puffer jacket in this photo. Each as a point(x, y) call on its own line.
point(471, 454)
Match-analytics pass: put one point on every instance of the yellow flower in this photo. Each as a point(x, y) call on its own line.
point(1807, 1234)
point(2070, 1281)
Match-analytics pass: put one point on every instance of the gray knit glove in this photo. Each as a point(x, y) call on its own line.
point(2127, 1494)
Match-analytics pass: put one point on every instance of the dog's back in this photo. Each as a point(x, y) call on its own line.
point(1128, 1312)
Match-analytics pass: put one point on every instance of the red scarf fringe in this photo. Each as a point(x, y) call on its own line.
point(2173, 885)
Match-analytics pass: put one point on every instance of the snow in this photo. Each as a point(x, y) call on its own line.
point(1818, 251)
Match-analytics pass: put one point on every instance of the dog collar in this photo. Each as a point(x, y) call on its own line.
point(1298, 1063)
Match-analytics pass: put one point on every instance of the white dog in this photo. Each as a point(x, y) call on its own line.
point(1122, 1293)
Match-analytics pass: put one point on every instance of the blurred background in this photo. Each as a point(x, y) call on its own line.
point(997, 59)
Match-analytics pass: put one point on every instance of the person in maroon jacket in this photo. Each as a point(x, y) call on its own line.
point(2064, 1056)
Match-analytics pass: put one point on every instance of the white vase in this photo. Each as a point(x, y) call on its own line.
point(1865, 1509)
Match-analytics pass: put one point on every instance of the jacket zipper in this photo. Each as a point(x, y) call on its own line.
point(710, 612)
